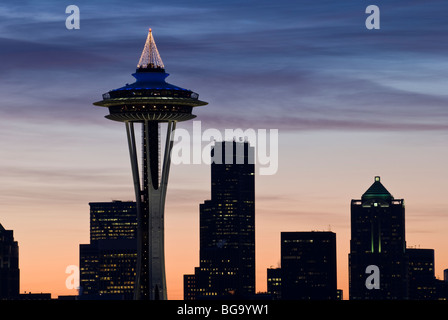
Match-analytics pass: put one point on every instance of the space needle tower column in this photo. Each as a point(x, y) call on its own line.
point(153, 103)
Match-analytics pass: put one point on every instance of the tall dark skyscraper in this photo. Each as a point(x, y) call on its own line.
point(9, 265)
point(378, 239)
point(108, 263)
point(227, 225)
point(308, 270)
point(150, 101)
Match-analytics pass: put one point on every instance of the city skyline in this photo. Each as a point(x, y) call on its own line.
point(349, 105)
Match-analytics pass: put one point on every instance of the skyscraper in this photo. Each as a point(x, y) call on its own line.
point(378, 239)
point(150, 101)
point(308, 270)
point(108, 263)
point(227, 225)
point(9, 265)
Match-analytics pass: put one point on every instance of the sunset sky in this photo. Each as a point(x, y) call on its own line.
point(349, 104)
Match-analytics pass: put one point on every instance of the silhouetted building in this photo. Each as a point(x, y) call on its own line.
point(378, 239)
point(308, 270)
point(68, 297)
point(107, 264)
point(441, 289)
point(9, 265)
point(422, 284)
point(274, 282)
point(227, 225)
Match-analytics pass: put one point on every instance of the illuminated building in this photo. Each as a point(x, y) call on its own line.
point(378, 239)
point(9, 265)
point(151, 102)
point(308, 266)
point(227, 226)
point(107, 264)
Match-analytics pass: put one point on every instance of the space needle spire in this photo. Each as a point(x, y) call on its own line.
point(152, 103)
point(150, 57)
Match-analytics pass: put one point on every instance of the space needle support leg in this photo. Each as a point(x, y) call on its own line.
point(136, 179)
point(167, 160)
point(162, 196)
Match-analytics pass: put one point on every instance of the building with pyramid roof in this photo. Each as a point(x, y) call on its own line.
point(378, 239)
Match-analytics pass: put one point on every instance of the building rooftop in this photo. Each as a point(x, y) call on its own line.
point(377, 190)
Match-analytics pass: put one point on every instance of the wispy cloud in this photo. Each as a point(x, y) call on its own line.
point(264, 61)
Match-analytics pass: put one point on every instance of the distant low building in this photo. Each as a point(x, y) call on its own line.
point(189, 287)
point(274, 282)
point(34, 296)
point(308, 266)
point(422, 282)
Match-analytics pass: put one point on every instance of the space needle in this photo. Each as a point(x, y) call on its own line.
point(151, 102)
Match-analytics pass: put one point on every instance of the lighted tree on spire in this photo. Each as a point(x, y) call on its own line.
point(150, 58)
